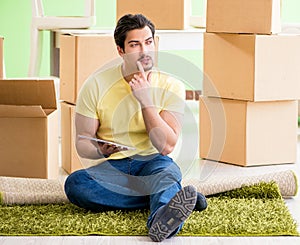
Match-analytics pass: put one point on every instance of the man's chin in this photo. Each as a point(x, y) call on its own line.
point(147, 66)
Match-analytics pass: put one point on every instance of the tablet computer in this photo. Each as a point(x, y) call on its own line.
point(107, 142)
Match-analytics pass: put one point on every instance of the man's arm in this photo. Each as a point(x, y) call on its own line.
point(87, 148)
point(163, 128)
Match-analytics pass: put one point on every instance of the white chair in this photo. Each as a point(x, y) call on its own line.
point(41, 22)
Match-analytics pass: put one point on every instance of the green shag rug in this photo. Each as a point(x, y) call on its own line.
point(257, 210)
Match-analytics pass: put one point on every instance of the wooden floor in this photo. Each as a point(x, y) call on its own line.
point(188, 171)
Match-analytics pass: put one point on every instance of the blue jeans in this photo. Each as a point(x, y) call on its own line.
point(131, 183)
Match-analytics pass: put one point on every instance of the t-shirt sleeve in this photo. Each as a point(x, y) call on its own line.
point(87, 100)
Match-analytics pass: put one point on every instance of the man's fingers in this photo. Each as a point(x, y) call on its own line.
point(149, 76)
point(141, 68)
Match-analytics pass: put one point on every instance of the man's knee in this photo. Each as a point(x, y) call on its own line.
point(73, 181)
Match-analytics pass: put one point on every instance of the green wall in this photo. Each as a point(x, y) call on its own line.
point(15, 17)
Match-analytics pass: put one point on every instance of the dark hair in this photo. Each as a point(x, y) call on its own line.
point(130, 22)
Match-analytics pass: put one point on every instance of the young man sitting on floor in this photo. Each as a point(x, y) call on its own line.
point(135, 105)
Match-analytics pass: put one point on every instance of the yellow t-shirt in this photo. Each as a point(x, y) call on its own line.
point(106, 96)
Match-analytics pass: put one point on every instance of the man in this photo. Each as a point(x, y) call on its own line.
point(135, 105)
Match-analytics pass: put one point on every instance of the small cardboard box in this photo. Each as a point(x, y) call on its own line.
point(251, 67)
point(248, 133)
point(1, 58)
point(29, 129)
point(243, 16)
point(70, 159)
point(166, 14)
point(80, 56)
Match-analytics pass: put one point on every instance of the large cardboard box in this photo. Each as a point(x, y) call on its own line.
point(1, 58)
point(248, 133)
point(243, 16)
point(29, 129)
point(70, 159)
point(252, 67)
point(166, 14)
point(80, 56)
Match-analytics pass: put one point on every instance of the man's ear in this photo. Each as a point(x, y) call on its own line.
point(120, 51)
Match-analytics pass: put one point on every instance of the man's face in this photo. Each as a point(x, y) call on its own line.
point(139, 46)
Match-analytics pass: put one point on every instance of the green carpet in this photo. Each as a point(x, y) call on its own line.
point(257, 210)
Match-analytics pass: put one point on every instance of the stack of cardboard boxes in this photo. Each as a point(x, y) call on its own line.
point(248, 111)
point(80, 56)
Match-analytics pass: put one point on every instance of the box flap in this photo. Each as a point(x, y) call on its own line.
point(28, 92)
point(14, 111)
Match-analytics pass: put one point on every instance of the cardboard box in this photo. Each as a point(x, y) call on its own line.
point(248, 133)
point(166, 14)
point(1, 58)
point(70, 159)
point(243, 16)
point(29, 129)
point(252, 67)
point(80, 56)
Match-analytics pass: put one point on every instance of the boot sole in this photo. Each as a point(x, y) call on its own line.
point(177, 210)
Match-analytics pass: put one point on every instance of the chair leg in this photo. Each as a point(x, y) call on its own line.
point(35, 52)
